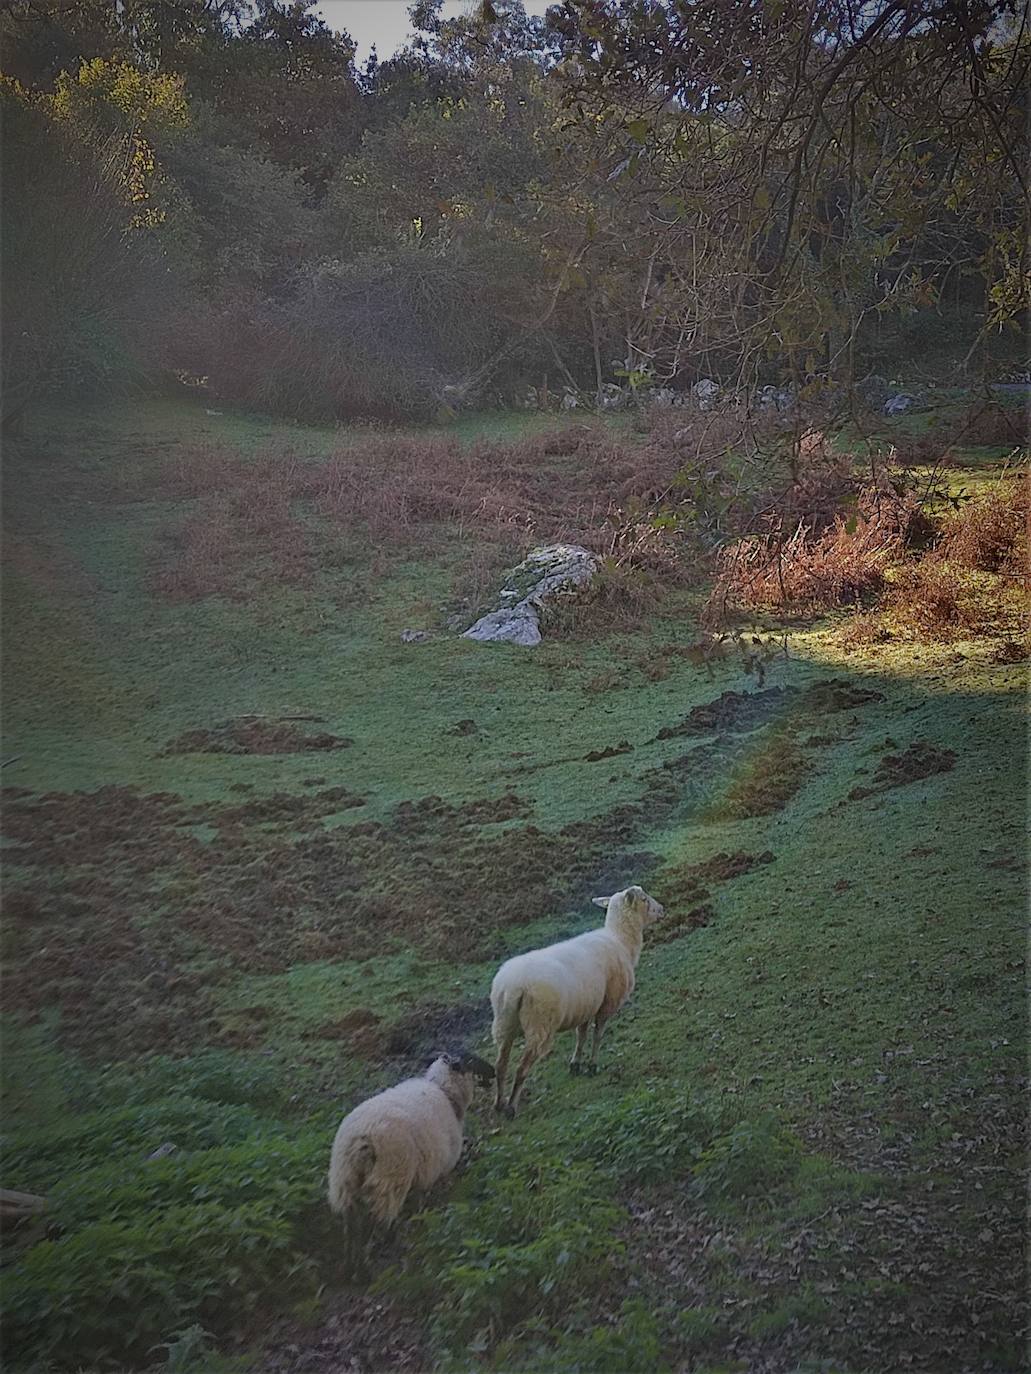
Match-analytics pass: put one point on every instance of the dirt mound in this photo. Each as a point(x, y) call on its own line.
point(361, 1029)
point(921, 760)
point(611, 752)
point(254, 736)
point(680, 923)
point(721, 868)
point(732, 712)
point(682, 889)
point(144, 902)
point(438, 1027)
point(742, 712)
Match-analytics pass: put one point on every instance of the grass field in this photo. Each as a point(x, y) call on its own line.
point(262, 857)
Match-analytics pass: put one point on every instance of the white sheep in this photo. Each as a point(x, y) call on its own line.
point(406, 1137)
point(568, 986)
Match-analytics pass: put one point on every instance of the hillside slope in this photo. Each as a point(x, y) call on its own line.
point(263, 857)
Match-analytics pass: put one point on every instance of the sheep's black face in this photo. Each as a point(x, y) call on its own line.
point(467, 1063)
point(472, 1063)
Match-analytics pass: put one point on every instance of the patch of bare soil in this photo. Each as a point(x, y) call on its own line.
point(685, 894)
point(722, 867)
point(254, 736)
point(361, 1029)
point(920, 760)
point(681, 922)
point(124, 915)
point(437, 1027)
point(129, 908)
point(610, 752)
point(742, 712)
point(364, 1334)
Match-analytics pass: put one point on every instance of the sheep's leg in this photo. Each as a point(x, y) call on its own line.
point(530, 1057)
point(600, 1022)
point(581, 1039)
point(501, 1073)
point(356, 1236)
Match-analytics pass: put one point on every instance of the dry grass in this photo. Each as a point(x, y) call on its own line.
point(252, 519)
point(814, 569)
point(990, 533)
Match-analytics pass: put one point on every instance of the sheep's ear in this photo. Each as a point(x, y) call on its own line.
point(601, 901)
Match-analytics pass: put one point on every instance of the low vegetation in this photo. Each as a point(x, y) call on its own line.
point(294, 878)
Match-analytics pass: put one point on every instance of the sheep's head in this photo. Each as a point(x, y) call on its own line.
point(634, 903)
point(466, 1063)
point(460, 1067)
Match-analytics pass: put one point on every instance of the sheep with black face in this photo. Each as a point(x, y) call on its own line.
point(408, 1136)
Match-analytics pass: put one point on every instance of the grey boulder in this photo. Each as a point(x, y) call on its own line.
point(550, 573)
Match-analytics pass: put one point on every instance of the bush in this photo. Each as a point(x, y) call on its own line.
point(78, 1141)
point(989, 533)
point(139, 1248)
point(645, 1137)
point(748, 1161)
point(113, 1289)
point(286, 1173)
point(810, 571)
point(389, 335)
point(933, 600)
point(528, 1239)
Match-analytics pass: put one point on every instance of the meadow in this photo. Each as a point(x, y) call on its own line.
point(262, 857)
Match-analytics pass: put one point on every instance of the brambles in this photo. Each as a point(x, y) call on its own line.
point(198, 1233)
point(932, 600)
point(527, 1240)
point(989, 533)
point(815, 568)
point(280, 518)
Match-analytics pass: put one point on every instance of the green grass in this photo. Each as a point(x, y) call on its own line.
point(810, 1097)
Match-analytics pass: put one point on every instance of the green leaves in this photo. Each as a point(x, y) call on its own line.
point(200, 1235)
point(528, 1239)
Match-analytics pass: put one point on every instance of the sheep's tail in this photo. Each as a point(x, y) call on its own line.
point(508, 1007)
point(348, 1172)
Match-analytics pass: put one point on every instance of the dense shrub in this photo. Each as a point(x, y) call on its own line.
point(111, 1290)
point(161, 1215)
point(931, 599)
point(645, 1136)
point(86, 289)
point(989, 533)
point(812, 570)
point(393, 334)
point(77, 1140)
point(527, 1239)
